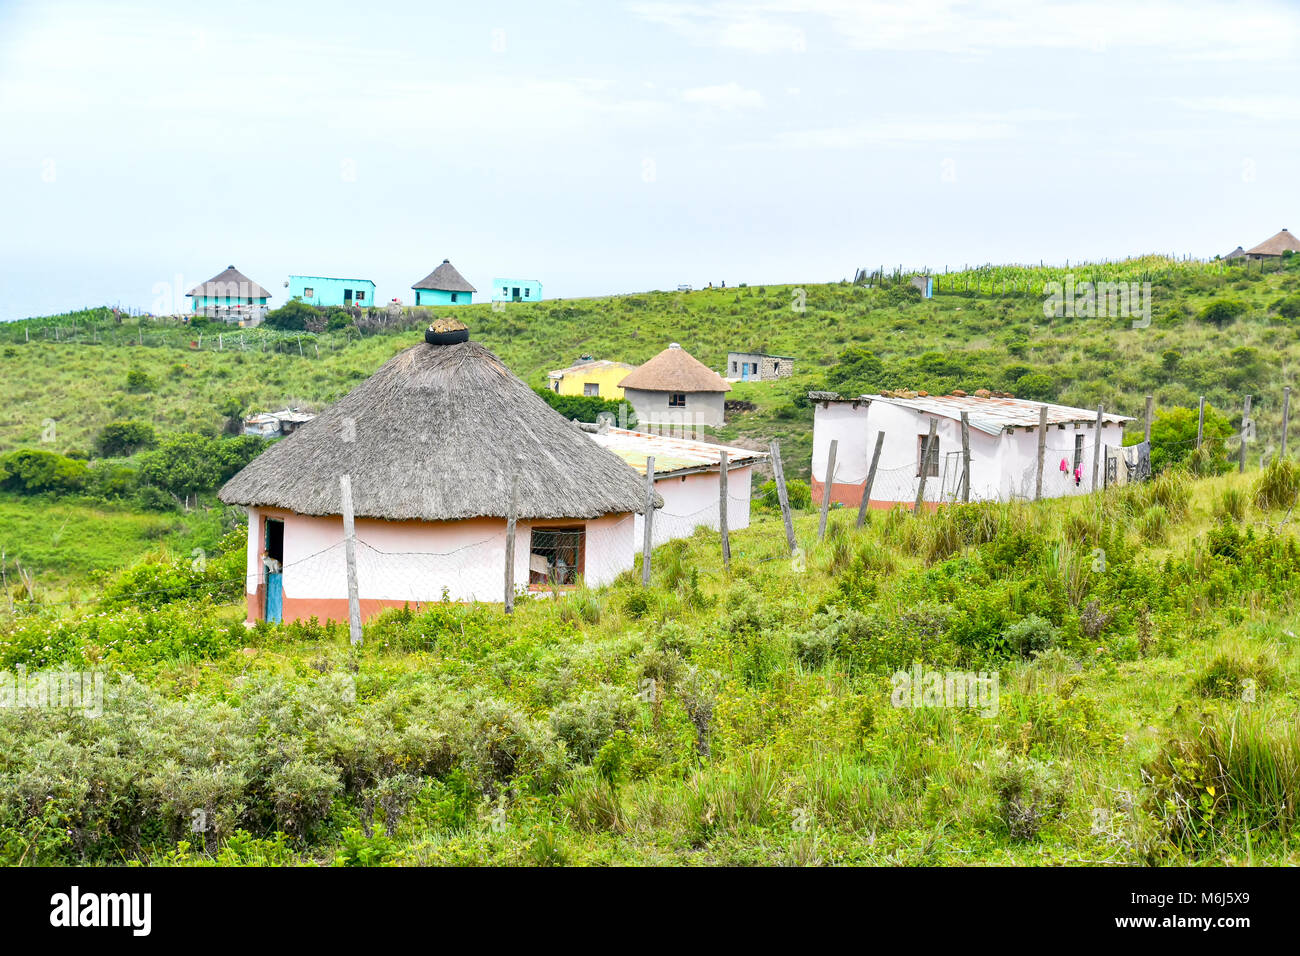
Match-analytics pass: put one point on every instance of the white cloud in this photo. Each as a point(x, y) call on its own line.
point(1189, 29)
point(1266, 108)
point(902, 131)
point(728, 96)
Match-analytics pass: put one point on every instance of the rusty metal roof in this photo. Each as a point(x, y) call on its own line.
point(673, 456)
point(992, 415)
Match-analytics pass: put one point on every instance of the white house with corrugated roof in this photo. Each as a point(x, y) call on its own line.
point(1004, 437)
point(687, 477)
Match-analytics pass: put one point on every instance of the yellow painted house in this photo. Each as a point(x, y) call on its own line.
point(593, 377)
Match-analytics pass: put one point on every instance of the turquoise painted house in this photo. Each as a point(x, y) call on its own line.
point(516, 290)
point(324, 291)
point(444, 286)
point(230, 290)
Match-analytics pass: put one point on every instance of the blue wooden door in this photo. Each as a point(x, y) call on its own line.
point(744, 371)
point(274, 597)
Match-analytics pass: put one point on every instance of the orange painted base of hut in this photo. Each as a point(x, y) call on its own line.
point(850, 496)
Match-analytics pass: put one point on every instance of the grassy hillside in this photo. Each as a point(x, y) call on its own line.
point(981, 338)
point(1146, 708)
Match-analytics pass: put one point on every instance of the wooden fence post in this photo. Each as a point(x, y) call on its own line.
point(965, 458)
point(1042, 451)
point(1096, 445)
point(1150, 413)
point(827, 486)
point(1245, 423)
point(1200, 422)
point(1286, 416)
point(510, 543)
point(646, 545)
point(350, 555)
point(871, 480)
point(723, 530)
point(927, 452)
point(778, 472)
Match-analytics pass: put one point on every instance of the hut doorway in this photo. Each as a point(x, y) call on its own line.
point(273, 568)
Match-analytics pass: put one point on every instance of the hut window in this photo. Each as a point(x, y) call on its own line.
point(361, 295)
point(591, 389)
point(308, 292)
point(922, 452)
point(453, 297)
point(556, 556)
point(1078, 451)
point(676, 399)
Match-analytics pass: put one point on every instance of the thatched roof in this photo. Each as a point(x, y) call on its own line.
point(1236, 253)
point(675, 370)
point(1276, 245)
point(231, 283)
point(437, 434)
point(445, 278)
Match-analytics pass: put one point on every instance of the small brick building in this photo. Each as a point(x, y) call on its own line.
point(757, 366)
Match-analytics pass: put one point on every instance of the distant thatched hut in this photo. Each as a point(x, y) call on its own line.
point(1275, 246)
point(675, 388)
point(433, 443)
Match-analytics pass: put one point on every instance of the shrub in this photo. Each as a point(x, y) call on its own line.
point(119, 439)
point(1036, 386)
point(798, 494)
point(1030, 793)
point(1030, 635)
point(1278, 485)
point(1230, 775)
point(1219, 312)
point(586, 408)
point(293, 316)
point(138, 381)
point(1231, 676)
point(587, 723)
point(1288, 307)
point(34, 471)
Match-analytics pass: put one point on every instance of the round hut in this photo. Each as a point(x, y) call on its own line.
point(435, 447)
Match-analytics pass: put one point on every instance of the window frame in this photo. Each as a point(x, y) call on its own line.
point(580, 567)
point(676, 399)
point(933, 471)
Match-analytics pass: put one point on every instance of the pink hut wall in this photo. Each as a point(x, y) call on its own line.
point(412, 562)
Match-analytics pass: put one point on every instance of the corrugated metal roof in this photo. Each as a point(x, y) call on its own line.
point(672, 455)
point(993, 415)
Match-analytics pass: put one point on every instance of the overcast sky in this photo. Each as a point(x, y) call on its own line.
point(612, 147)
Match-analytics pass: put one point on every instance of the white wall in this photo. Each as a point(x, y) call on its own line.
point(1003, 466)
point(691, 501)
point(702, 408)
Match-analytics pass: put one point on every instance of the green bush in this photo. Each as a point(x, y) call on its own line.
point(1030, 794)
point(138, 381)
point(585, 408)
point(119, 439)
point(33, 471)
point(293, 316)
point(1219, 312)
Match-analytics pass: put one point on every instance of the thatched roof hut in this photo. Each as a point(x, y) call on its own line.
point(437, 434)
point(445, 278)
point(1276, 245)
point(230, 282)
point(675, 370)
